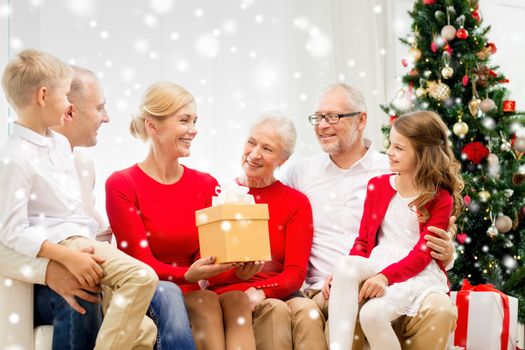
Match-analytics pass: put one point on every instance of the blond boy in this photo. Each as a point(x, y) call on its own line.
point(41, 209)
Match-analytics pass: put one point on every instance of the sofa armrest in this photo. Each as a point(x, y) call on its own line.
point(16, 314)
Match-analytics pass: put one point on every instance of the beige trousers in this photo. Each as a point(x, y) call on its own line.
point(285, 325)
point(429, 329)
point(133, 284)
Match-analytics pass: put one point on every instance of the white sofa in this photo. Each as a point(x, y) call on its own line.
point(16, 318)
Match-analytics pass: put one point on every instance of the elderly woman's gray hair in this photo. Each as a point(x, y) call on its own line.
point(283, 126)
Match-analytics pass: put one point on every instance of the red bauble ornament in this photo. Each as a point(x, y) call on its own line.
point(461, 237)
point(465, 80)
point(413, 72)
point(393, 119)
point(433, 47)
point(467, 200)
point(462, 34)
point(475, 152)
point(492, 47)
point(429, 2)
point(404, 62)
point(509, 106)
point(448, 49)
point(476, 16)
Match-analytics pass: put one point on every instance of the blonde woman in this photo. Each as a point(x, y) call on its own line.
point(151, 207)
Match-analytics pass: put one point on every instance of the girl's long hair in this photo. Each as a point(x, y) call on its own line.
point(437, 168)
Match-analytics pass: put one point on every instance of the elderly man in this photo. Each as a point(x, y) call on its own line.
point(335, 183)
point(77, 321)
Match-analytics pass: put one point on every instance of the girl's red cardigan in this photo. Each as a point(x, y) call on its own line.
point(378, 196)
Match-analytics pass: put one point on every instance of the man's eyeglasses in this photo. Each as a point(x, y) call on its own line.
point(315, 119)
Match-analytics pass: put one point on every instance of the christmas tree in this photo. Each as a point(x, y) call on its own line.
point(449, 71)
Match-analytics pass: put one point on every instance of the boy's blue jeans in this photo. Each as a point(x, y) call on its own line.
point(73, 331)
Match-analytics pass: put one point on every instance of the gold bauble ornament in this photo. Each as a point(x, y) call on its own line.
point(438, 90)
point(460, 128)
point(420, 92)
point(519, 144)
point(473, 106)
point(386, 143)
point(414, 53)
point(503, 223)
point(487, 105)
point(448, 32)
point(484, 196)
point(447, 72)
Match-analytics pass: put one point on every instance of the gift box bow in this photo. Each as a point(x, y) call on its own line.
point(232, 193)
point(462, 302)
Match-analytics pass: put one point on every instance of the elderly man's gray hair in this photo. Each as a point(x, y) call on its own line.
point(282, 125)
point(355, 97)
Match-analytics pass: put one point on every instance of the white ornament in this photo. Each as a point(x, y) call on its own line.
point(448, 32)
point(492, 231)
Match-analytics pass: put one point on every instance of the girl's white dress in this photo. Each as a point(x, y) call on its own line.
point(397, 235)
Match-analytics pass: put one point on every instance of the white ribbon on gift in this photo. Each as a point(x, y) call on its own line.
point(232, 193)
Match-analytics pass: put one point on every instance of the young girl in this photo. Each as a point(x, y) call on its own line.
point(390, 257)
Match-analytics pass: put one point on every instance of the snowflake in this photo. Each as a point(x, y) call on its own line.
point(226, 226)
point(301, 23)
point(14, 318)
point(141, 45)
point(143, 243)
point(207, 45)
point(509, 262)
point(241, 321)
point(318, 44)
point(182, 65)
point(229, 27)
point(161, 6)
point(20, 194)
point(16, 43)
point(5, 11)
point(120, 300)
point(150, 20)
point(313, 314)
point(27, 271)
point(82, 8)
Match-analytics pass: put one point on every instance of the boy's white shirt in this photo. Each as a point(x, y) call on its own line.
point(32, 269)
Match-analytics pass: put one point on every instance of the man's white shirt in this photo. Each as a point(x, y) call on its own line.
point(337, 198)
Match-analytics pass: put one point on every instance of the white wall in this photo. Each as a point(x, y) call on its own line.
point(239, 57)
point(4, 44)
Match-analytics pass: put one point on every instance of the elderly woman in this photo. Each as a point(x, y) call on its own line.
point(151, 207)
point(277, 323)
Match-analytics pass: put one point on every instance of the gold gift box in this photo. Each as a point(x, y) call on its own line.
point(234, 232)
